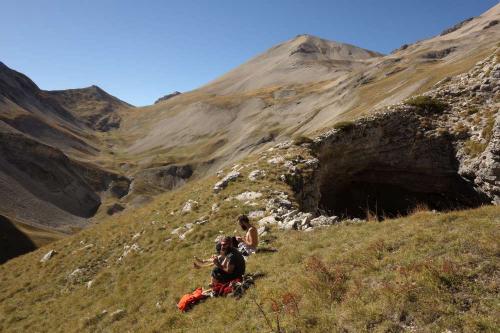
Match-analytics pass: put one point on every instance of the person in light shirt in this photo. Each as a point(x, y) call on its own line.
point(247, 244)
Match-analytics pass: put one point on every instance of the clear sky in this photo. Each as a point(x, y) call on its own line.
point(141, 50)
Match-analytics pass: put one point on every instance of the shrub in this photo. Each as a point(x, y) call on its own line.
point(344, 125)
point(472, 110)
point(325, 280)
point(301, 139)
point(461, 130)
point(427, 103)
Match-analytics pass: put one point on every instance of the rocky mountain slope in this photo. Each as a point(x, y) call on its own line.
point(429, 271)
point(303, 59)
point(95, 107)
point(49, 180)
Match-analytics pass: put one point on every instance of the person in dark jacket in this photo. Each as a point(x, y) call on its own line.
point(231, 267)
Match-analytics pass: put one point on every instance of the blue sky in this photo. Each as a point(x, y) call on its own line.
point(141, 50)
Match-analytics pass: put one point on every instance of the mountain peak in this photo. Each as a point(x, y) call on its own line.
point(308, 44)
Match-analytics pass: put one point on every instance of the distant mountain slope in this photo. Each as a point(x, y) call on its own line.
point(302, 59)
point(95, 107)
point(295, 88)
point(41, 186)
point(47, 140)
point(27, 109)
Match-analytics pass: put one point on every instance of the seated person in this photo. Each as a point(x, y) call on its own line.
point(231, 267)
point(247, 245)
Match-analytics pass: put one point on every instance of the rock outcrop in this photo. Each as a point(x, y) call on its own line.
point(166, 97)
point(160, 179)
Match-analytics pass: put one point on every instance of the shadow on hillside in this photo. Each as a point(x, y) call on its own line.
point(13, 242)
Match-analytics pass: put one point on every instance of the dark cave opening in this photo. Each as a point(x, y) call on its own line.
point(388, 173)
point(387, 194)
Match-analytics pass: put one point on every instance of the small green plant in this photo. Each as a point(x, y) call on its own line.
point(472, 110)
point(474, 148)
point(487, 131)
point(301, 139)
point(442, 131)
point(279, 307)
point(427, 103)
point(460, 129)
point(344, 125)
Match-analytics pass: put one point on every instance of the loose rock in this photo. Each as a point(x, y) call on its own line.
point(48, 256)
point(118, 314)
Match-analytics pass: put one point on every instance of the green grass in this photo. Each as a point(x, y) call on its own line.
point(301, 139)
point(427, 103)
point(344, 125)
point(487, 132)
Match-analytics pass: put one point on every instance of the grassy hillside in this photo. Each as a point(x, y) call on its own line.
point(427, 272)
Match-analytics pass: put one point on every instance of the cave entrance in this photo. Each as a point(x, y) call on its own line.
point(364, 180)
point(387, 194)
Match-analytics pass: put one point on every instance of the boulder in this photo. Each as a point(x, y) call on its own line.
point(189, 206)
point(222, 184)
point(256, 214)
point(323, 221)
point(245, 196)
point(267, 220)
point(276, 160)
point(256, 174)
point(296, 221)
